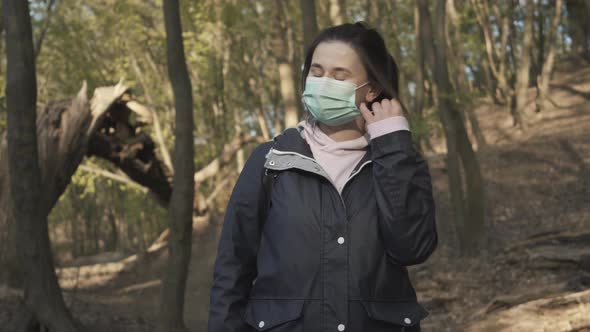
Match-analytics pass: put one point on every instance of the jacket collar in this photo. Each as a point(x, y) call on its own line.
point(291, 140)
point(291, 143)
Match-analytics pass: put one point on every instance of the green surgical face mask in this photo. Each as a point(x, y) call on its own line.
point(331, 101)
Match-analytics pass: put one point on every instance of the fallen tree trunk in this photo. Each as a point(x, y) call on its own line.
point(64, 129)
point(68, 130)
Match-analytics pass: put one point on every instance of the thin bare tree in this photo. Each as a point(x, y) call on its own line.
point(44, 306)
point(283, 50)
point(337, 10)
point(543, 79)
point(309, 21)
point(468, 205)
point(523, 73)
point(183, 192)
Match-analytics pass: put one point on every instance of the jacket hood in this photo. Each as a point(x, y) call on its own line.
point(292, 140)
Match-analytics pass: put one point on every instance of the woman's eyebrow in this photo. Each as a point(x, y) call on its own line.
point(342, 69)
point(335, 69)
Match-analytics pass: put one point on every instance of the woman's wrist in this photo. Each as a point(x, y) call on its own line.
point(387, 125)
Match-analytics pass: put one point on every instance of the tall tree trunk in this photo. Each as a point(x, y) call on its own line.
point(490, 82)
point(282, 51)
point(539, 32)
point(183, 192)
point(1, 42)
point(469, 205)
point(238, 120)
point(42, 295)
point(45, 27)
point(337, 12)
point(309, 21)
point(543, 80)
point(578, 17)
point(294, 57)
point(420, 75)
point(424, 60)
point(514, 70)
point(523, 74)
point(496, 56)
point(256, 93)
point(420, 72)
point(228, 50)
point(454, 40)
point(277, 126)
point(455, 47)
point(393, 25)
point(114, 236)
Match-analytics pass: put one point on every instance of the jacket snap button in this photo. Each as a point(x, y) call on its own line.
point(271, 163)
point(261, 324)
point(341, 240)
point(407, 320)
point(340, 327)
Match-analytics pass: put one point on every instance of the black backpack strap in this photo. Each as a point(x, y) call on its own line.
point(268, 179)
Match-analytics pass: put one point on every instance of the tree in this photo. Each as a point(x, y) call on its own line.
point(309, 21)
point(283, 50)
point(183, 193)
point(578, 19)
point(496, 57)
point(468, 206)
point(337, 11)
point(50, 8)
point(42, 295)
point(420, 72)
point(549, 60)
point(523, 74)
point(457, 64)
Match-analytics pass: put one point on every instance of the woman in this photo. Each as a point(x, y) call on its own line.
point(349, 209)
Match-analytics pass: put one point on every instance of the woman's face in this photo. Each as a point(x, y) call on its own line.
point(338, 60)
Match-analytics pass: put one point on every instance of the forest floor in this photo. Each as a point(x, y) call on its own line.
point(533, 276)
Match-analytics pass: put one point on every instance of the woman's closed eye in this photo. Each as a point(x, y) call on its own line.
point(340, 76)
point(316, 71)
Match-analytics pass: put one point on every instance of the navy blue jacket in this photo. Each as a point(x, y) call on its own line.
point(319, 261)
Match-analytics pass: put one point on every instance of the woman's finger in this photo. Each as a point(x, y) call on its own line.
point(366, 113)
point(386, 105)
point(377, 109)
point(396, 107)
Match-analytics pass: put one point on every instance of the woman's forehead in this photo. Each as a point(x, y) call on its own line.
point(334, 54)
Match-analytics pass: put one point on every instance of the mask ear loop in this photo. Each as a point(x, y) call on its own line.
point(360, 86)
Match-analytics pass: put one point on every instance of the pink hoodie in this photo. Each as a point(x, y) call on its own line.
point(339, 158)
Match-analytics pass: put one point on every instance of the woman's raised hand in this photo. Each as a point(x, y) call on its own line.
point(381, 110)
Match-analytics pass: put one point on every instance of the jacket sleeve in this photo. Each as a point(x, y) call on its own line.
point(235, 264)
point(403, 190)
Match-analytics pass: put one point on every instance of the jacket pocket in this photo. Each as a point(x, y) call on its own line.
point(403, 313)
point(264, 314)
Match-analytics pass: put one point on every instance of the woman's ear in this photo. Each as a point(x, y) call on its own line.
point(373, 93)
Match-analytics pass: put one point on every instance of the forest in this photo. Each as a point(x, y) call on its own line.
point(125, 124)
